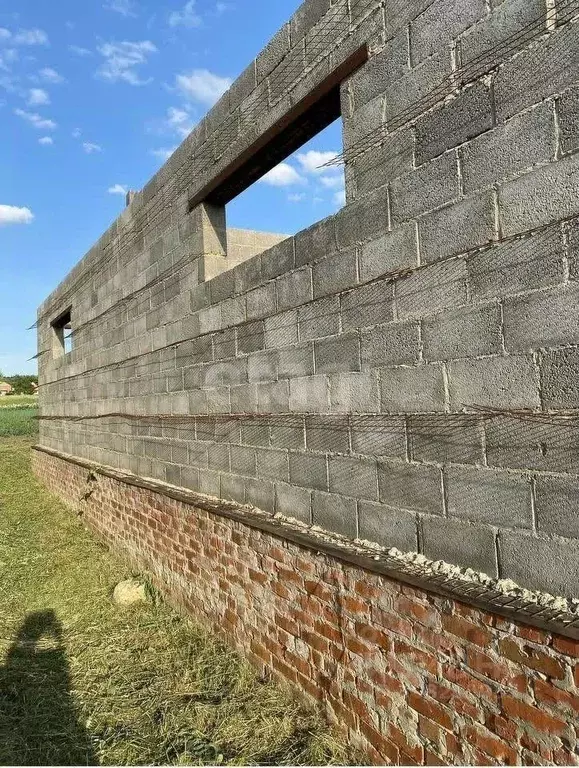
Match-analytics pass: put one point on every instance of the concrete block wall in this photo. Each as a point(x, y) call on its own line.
point(400, 372)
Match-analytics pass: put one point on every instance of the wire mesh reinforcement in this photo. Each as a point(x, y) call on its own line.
point(414, 286)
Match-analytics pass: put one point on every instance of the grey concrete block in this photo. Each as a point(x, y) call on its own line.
point(538, 444)
point(557, 505)
point(224, 347)
point(354, 392)
point(394, 157)
point(296, 361)
point(539, 68)
point(457, 121)
point(335, 273)
point(544, 319)
point(425, 189)
point(496, 382)
point(262, 366)
point(337, 354)
point(273, 397)
point(251, 337)
point(354, 477)
point(243, 461)
point(391, 344)
point(278, 260)
point(330, 434)
point(281, 329)
point(320, 318)
point(387, 526)
point(243, 398)
point(260, 493)
point(232, 488)
point(399, 15)
point(380, 436)
point(549, 565)
point(308, 470)
point(417, 487)
point(335, 513)
point(383, 69)
point(517, 265)
point(488, 496)
point(272, 464)
point(291, 501)
point(550, 193)
point(412, 389)
point(389, 253)
point(316, 243)
point(515, 146)
point(367, 305)
point(273, 53)
point(243, 86)
point(294, 288)
point(560, 378)
point(440, 23)
point(288, 432)
point(309, 393)
point(218, 457)
point(209, 482)
point(363, 220)
point(568, 116)
point(406, 98)
point(445, 438)
point(306, 16)
point(458, 543)
point(254, 434)
point(511, 19)
point(431, 289)
point(261, 301)
point(458, 228)
point(464, 332)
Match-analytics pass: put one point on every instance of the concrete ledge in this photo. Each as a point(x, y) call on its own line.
point(530, 608)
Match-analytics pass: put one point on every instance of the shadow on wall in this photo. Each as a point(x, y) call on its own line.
point(38, 721)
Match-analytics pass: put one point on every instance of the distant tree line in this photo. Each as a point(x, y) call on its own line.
point(21, 384)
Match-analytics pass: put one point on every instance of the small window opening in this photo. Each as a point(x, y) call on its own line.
point(62, 334)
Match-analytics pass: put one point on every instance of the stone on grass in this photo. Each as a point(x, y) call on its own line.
point(129, 592)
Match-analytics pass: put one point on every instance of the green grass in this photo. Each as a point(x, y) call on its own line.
point(84, 682)
point(12, 400)
point(18, 420)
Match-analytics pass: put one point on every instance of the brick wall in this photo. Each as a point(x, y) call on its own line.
point(367, 375)
point(411, 677)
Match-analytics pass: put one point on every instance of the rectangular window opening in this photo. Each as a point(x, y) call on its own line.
point(290, 178)
point(62, 334)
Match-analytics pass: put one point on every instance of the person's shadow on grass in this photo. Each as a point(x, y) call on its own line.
point(38, 720)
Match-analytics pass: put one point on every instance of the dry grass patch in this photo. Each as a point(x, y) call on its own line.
point(84, 682)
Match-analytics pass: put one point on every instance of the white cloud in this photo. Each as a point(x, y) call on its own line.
point(163, 153)
point(203, 86)
point(339, 198)
point(179, 121)
point(333, 182)
point(76, 133)
point(122, 59)
point(313, 161)
point(5, 34)
point(79, 50)
point(118, 189)
point(10, 214)
point(37, 97)
point(296, 197)
point(46, 141)
point(283, 175)
point(30, 37)
point(124, 7)
point(36, 120)
point(50, 75)
point(186, 17)
point(91, 148)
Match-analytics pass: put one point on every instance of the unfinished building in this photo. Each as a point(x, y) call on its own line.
point(345, 449)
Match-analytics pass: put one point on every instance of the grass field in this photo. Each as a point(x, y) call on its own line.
point(85, 682)
point(18, 415)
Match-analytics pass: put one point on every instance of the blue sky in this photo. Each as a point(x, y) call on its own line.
point(93, 97)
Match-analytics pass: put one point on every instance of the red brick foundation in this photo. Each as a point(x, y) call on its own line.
point(413, 677)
